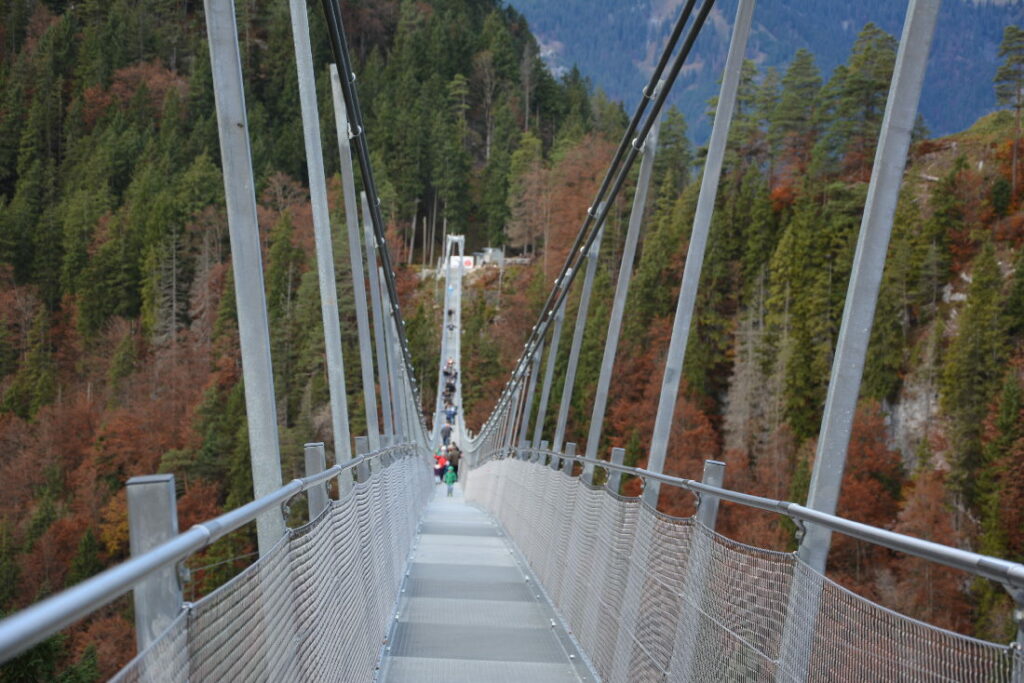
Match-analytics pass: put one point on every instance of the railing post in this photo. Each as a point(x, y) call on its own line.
point(321, 231)
point(695, 252)
point(246, 257)
point(355, 256)
point(316, 462)
point(152, 520)
point(611, 340)
point(714, 475)
point(1017, 675)
point(855, 329)
point(362, 469)
point(615, 476)
point(701, 546)
point(542, 452)
point(567, 465)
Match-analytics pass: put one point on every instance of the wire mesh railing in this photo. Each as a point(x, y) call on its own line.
point(651, 597)
point(317, 607)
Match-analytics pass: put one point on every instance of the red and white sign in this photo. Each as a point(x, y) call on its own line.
point(465, 261)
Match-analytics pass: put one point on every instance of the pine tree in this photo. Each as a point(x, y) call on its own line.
point(862, 97)
point(35, 383)
point(973, 369)
point(284, 276)
point(86, 562)
point(1014, 307)
point(675, 152)
point(1009, 83)
point(525, 194)
point(791, 128)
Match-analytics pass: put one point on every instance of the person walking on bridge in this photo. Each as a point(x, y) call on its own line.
point(440, 462)
point(446, 433)
point(450, 478)
point(454, 455)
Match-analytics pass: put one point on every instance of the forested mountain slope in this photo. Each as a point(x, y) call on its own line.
point(617, 43)
point(118, 341)
point(937, 438)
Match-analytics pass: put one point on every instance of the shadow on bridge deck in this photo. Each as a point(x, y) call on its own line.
point(470, 611)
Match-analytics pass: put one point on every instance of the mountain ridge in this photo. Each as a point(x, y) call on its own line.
point(615, 47)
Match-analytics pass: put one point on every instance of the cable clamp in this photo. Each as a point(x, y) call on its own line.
point(637, 144)
point(590, 212)
point(801, 529)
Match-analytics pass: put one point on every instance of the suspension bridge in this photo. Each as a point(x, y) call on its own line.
point(531, 570)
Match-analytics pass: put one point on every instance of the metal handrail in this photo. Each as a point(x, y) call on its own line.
point(1010, 574)
point(34, 624)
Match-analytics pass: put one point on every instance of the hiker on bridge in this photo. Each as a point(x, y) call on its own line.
point(450, 411)
point(450, 477)
point(446, 432)
point(454, 455)
point(440, 462)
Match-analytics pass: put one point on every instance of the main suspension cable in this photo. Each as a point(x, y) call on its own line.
point(339, 46)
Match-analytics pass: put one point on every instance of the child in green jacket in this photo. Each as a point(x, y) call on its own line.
point(450, 478)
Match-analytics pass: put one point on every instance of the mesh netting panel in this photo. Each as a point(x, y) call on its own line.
point(165, 659)
point(856, 639)
point(317, 607)
point(653, 598)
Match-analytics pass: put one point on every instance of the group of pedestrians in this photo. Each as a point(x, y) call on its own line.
point(448, 454)
point(446, 468)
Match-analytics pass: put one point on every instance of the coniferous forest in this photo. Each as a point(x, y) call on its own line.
point(119, 346)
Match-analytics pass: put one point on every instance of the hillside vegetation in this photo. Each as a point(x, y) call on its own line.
point(936, 442)
point(618, 44)
point(119, 346)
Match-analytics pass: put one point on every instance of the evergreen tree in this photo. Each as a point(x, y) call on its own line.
point(86, 562)
point(284, 276)
point(35, 383)
point(675, 152)
point(791, 128)
point(526, 216)
point(973, 369)
point(862, 95)
point(1009, 83)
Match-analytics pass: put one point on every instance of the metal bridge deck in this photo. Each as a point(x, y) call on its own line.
point(470, 610)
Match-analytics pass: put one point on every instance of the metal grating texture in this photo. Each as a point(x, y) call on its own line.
point(317, 607)
point(655, 598)
point(470, 611)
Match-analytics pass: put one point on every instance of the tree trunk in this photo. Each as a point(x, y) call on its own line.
point(433, 229)
point(1016, 144)
point(412, 239)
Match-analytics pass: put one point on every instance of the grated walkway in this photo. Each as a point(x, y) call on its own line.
point(469, 610)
